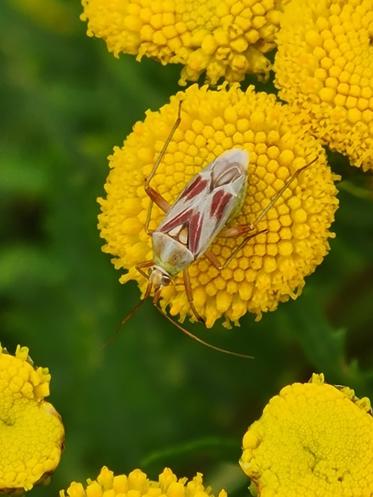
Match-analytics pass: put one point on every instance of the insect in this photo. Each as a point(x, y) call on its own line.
point(210, 200)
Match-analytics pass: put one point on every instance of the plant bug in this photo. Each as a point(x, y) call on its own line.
point(210, 200)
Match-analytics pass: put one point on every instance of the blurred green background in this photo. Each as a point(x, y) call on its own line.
point(152, 398)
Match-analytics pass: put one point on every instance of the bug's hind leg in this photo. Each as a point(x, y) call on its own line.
point(189, 294)
point(214, 260)
point(241, 229)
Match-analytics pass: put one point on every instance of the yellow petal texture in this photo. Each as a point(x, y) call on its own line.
point(272, 266)
point(137, 484)
point(313, 440)
point(324, 66)
point(224, 38)
point(31, 431)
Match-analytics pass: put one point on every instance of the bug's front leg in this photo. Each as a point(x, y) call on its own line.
point(156, 197)
point(140, 268)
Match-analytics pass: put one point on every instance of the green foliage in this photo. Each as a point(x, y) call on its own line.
point(151, 396)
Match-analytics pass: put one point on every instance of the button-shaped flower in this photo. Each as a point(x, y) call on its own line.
point(31, 431)
point(138, 484)
point(271, 267)
point(225, 38)
point(324, 67)
point(313, 439)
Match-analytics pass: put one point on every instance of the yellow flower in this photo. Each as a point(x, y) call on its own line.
point(225, 38)
point(31, 431)
point(324, 67)
point(272, 266)
point(313, 440)
point(137, 484)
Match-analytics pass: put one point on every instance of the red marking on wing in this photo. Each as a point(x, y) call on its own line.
point(181, 218)
point(219, 201)
point(195, 228)
point(196, 187)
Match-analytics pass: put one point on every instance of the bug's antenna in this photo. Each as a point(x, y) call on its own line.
point(199, 340)
point(124, 320)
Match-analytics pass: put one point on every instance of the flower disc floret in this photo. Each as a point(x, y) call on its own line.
point(271, 267)
point(31, 431)
point(313, 439)
point(138, 484)
point(324, 67)
point(225, 38)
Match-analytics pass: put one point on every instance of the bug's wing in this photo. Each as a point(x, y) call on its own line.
point(206, 203)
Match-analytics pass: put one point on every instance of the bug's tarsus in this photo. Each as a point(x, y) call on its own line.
point(199, 340)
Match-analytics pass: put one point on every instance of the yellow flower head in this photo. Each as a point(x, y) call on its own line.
point(271, 267)
point(137, 484)
point(225, 38)
point(314, 440)
point(324, 67)
point(31, 431)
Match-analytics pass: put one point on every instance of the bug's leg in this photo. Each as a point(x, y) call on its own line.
point(156, 197)
point(214, 260)
point(189, 294)
point(241, 229)
point(140, 268)
point(277, 195)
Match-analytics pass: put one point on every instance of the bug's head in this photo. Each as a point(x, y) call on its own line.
point(158, 278)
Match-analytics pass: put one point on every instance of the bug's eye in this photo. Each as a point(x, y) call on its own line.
point(165, 280)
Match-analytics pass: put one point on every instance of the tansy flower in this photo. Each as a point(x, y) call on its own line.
point(137, 484)
point(31, 431)
point(324, 67)
point(271, 267)
point(225, 38)
point(313, 439)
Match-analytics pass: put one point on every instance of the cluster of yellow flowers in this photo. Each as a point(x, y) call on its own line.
point(227, 39)
point(313, 438)
point(137, 483)
point(288, 451)
point(323, 69)
point(272, 267)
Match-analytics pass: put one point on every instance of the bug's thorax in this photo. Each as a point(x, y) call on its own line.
point(170, 252)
